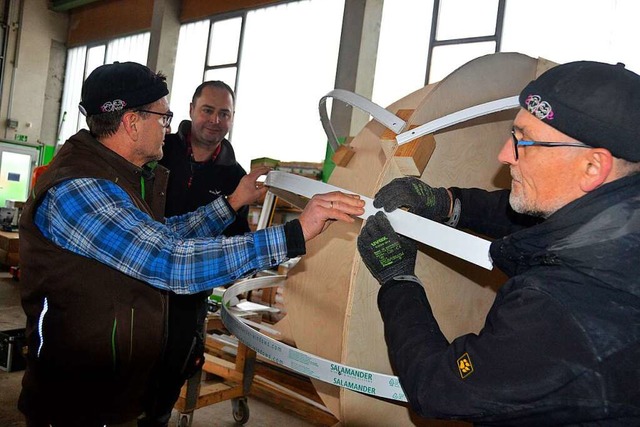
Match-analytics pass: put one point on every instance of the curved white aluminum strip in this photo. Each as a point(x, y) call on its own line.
point(360, 380)
point(379, 114)
point(458, 117)
point(265, 213)
point(455, 242)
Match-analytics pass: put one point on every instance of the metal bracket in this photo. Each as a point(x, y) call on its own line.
point(379, 114)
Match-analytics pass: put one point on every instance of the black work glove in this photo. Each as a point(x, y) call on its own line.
point(418, 196)
point(386, 253)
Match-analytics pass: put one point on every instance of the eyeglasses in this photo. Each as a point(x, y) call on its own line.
point(166, 117)
point(517, 142)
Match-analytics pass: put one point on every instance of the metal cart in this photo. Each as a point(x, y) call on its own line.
point(224, 380)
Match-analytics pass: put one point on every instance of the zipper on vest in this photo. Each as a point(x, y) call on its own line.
point(131, 334)
point(45, 308)
point(113, 342)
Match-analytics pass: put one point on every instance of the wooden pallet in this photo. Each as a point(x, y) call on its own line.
point(233, 372)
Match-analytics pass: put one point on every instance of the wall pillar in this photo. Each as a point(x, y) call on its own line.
point(165, 31)
point(356, 62)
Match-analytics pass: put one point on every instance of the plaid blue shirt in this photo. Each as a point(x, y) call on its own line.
point(97, 219)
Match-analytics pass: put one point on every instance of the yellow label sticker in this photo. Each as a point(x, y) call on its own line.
point(464, 365)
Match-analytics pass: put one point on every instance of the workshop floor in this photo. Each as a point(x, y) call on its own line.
point(11, 316)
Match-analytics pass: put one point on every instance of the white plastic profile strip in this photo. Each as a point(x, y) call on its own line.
point(265, 213)
point(455, 242)
point(379, 114)
point(360, 380)
point(458, 117)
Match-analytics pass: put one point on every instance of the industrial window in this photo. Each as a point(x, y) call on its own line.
point(432, 38)
point(604, 30)
point(207, 50)
point(461, 31)
point(281, 60)
point(81, 61)
point(423, 41)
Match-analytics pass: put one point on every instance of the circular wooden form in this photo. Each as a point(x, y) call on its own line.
point(330, 296)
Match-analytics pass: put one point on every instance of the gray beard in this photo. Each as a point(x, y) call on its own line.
point(518, 205)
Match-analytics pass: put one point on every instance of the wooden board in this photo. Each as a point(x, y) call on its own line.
point(9, 248)
point(330, 295)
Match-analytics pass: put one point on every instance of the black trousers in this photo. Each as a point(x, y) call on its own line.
point(184, 356)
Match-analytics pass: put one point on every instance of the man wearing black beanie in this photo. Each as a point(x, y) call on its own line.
point(561, 342)
point(98, 257)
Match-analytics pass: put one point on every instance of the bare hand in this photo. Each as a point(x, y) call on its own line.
point(323, 209)
point(248, 191)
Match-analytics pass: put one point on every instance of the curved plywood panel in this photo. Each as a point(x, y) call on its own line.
point(330, 295)
point(317, 288)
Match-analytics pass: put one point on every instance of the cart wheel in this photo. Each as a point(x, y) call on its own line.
point(185, 420)
point(240, 410)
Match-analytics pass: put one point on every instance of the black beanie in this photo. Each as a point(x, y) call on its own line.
point(597, 104)
point(117, 86)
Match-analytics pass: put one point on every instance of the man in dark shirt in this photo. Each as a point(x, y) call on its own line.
point(202, 167)
point(201, 160)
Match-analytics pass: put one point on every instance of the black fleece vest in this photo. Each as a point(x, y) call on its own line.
point(102, 332)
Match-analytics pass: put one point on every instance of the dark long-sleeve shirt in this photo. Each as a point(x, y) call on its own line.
point(561, 342)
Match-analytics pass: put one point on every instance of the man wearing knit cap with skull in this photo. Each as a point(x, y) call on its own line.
point(98, 259)
point(561, 343)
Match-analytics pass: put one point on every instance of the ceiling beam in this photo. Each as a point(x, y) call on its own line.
point(65, 5)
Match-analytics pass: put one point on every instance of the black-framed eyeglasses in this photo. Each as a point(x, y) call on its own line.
point(166, 117)
point(517, 142)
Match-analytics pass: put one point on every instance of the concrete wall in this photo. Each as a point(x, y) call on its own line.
point(34, 72)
